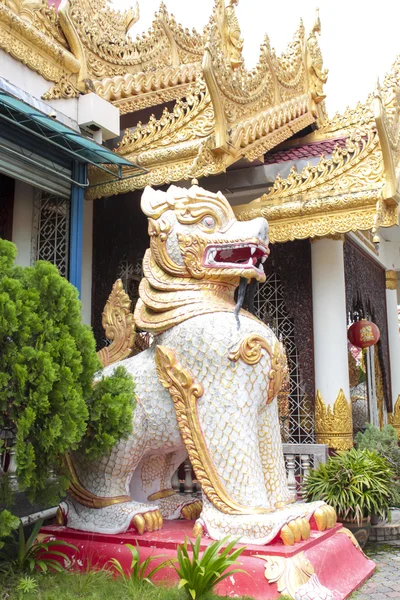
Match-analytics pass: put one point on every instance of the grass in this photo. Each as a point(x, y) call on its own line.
point(93, 585)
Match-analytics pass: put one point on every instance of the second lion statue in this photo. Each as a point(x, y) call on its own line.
point(206, 388)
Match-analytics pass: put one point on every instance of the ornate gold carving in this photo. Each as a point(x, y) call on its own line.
point(119, 326)
point(185, 392)
point(340, 194)
point(317, 74)
point(391, 280)
point(84, 496)
point(29, 32)
point(64, 88)
point(333, 425)
point(288, 573)
point(134, 91)
point(394, 418)
point(249, 350)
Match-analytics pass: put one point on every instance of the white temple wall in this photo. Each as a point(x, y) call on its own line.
point(22, 222)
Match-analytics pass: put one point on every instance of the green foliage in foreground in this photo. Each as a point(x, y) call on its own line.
point(199, 574)
point(110, 407)
point(385, 443)
point(48, 362)
point(92, 585)
point(356, 483)
point(32, 555)
point(7, 524)
point(139, 569)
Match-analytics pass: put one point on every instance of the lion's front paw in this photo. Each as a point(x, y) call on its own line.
point(192, 510)
point(295, 531)
point(324, 518)
point(148, 521)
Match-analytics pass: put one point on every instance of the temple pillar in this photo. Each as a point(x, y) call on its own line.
point(394, 345)
point(333, 416)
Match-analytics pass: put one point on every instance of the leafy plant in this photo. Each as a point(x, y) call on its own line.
point(199, 575)
point(356, 483)
point(48, 362)
point(7, 523)
point(374, 438)
point(32, 555)
point(27, 585)
point(110, 406)
point(138, 572)
point(384, 442)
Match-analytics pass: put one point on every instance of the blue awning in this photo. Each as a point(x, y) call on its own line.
point(66, 140)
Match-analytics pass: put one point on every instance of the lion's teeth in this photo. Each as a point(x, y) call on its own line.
point(249, 263)
point(264, 258)
point(252, 250)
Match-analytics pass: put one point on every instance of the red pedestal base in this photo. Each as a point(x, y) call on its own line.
point(340, 566)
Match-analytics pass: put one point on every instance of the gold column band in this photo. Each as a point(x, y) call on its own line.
point(334, 424)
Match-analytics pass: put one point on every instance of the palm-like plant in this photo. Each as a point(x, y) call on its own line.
point(356, 483)
point(200, 574)
point(33, 555)
point(139, 569)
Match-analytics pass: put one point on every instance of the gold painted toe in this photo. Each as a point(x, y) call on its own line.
point(294, 527)
point(287, 536)
point(198, 530)
point(305, 529)
point(139, 523)
point(320, 517)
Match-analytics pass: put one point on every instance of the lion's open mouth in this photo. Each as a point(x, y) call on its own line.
point(239, 255)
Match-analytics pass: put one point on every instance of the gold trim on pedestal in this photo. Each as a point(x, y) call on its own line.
point(394, 418)
point(288, 573)
point(334, 424)
point(391, 280)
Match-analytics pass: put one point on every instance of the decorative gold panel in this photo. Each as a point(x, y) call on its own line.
point(334, 425)
point(118, 325)
point(391, 280)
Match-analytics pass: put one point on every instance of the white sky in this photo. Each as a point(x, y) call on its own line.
point(359, 40)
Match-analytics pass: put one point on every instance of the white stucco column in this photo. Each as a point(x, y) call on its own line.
point(394, 343)
point(333, 419)
point(22, 222)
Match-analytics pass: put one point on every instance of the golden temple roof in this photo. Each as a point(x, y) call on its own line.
point(216, 112)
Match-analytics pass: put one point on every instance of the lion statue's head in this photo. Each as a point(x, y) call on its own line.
point(194, 234)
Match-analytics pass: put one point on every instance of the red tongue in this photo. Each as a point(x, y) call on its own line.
point(240, 255)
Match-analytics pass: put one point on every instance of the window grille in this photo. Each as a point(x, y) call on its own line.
point(269, 305)
point(50, 231)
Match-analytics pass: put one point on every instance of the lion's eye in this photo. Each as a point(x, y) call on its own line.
point(208, 222)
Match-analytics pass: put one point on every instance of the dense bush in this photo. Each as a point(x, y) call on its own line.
point(47, 366)
point(356, 483)
point(384, 442)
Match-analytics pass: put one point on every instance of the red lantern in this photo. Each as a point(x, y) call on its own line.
point(363, 334)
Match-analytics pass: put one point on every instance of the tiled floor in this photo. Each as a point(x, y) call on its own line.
point(385, 583)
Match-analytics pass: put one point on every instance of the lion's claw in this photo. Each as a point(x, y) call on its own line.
point(148, 521)
point(192, 511)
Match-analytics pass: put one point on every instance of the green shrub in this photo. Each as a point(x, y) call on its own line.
point(199, 575)
point(384, 442)
point(356, 483)
point(47, 366)
point(110, 407)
